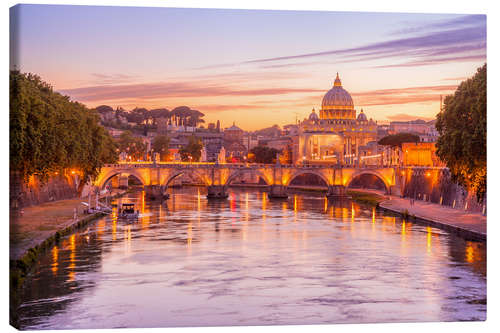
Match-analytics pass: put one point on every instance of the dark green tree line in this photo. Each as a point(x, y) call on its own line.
point(462, 127)
point(132, 145)
point(263, 154)
point(50, 133)
point(192, 149)
point(160, 145)
point(396, 140)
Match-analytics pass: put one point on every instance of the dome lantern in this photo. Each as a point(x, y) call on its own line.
point(337, 82)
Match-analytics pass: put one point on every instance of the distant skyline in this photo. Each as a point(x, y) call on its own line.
point(256, 68)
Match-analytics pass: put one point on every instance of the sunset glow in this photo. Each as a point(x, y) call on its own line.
point(257, 68)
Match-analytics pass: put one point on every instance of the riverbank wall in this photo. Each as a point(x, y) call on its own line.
point(36, 191)
point(436, 186)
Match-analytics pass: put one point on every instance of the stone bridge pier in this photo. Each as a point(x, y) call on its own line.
point(277, 191)
point(155, 192)
point(335, 192)
point(216, 192)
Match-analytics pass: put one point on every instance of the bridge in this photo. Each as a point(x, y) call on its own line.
point(156, 177)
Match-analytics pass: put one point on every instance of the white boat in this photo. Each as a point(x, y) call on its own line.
point(101, 209)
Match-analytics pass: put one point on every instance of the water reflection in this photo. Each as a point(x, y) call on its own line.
point(248, 260)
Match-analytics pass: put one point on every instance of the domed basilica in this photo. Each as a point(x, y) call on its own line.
point(337, 135)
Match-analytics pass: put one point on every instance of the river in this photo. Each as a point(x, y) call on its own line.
point(250, 261)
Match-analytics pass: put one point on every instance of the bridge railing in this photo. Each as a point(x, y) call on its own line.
point(187, 165)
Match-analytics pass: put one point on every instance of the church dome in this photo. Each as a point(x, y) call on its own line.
point(337, 98)
point(362, 116)
point(313, 116)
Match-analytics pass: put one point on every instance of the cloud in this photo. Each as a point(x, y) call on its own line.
point(289, 65)
point(460, 78)
point(406, 117)
point(246, 76)
point(427, 42)
point(426, 94)
point(467, 20)
point(478, 57)
point(454, 40)
point(101, 78)
point(161, 90)
point(215, 108)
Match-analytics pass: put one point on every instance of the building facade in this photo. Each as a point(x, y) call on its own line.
point(420, 154)
point(426, 130)
point(338, 134)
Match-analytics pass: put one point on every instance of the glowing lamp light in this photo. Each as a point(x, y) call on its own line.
point(73, 172)
point(428, 174)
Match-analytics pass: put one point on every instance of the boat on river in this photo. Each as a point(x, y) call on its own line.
point(127, 210)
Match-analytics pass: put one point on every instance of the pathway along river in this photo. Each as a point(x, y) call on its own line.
point(251, 261)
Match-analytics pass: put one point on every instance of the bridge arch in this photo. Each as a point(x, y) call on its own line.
point(384, 179)
point(239, 173)
point(112, 173)
point(181, 172)
point(306, 172)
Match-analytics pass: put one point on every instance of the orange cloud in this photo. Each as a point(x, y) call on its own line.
point(406, 117)
point(403, 95)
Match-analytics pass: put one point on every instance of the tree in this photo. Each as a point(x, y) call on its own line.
point(263, 154)
point(160, 145)
point(192, 149)
point(132, 145)
point(462, 128)
point(137, 115)
point(158, 113)
point(398, 139)
point(50, 133)
point(104, 109)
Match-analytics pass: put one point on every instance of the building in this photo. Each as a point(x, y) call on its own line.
point(337, 133)
point(250, 140)
point(235, 148)
point(280, 143)
point(233, 134)
point(426, 130)
point(420, 154)
point(235, 152)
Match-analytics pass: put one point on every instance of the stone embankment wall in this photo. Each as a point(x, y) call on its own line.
point(35, 191)
point(435, 185)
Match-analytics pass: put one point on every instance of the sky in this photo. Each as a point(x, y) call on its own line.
point(256, 68)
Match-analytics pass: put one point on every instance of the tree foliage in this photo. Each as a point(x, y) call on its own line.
point(263, 154)
point(192, 149)
point(132, 145)
point(462, 127)
point(161, 145)
point(50, 133)
point(398, 139)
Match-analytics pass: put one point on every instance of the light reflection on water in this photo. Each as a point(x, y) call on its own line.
point(251, 261)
